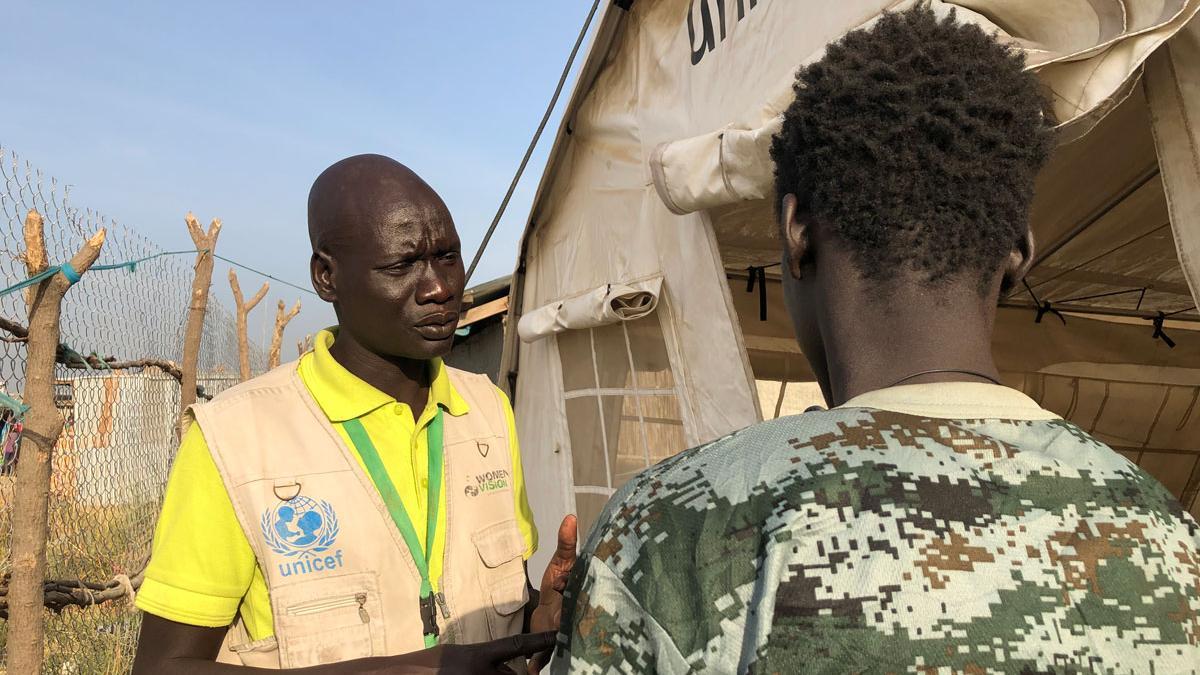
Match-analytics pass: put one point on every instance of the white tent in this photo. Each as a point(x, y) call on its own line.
point(637, 337)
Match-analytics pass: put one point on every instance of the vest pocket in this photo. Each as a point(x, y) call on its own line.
point(328, 620)
point(500, 547)
point(510, 594)
point(328, 604)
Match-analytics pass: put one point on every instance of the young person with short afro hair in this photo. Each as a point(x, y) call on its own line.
point(932, 518)
point(918, 144)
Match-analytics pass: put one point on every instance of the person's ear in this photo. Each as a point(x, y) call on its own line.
point(321, 267)
point(1019, 262)
point(796, 239)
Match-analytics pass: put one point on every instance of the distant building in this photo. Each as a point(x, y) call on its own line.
point(480, 340)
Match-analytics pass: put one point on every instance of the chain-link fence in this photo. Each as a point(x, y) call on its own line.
point(111, 463)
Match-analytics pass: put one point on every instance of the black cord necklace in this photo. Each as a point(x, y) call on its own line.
point(937, 371)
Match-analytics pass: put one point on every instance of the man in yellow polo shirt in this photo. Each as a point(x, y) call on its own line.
point(200, 545)
point(266, 525)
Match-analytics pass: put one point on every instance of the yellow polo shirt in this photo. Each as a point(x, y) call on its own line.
point(202, 570)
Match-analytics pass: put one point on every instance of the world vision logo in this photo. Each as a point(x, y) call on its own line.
point(304, 531)
point(489, 481)
point(704, 39)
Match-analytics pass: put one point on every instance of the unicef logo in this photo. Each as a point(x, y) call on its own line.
point(300, 527)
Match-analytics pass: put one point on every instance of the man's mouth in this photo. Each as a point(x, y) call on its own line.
point(438, 326)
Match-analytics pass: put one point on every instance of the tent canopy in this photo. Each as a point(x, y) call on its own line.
point(660, 174)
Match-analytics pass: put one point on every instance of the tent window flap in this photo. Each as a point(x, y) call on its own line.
point(623, 412)
point(601, 306)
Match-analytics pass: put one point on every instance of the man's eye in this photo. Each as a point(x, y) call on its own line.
point(450, 257)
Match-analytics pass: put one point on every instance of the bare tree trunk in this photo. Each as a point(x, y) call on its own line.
point(243, 311)
point(281, 322)
point(302, 346)
point(206, 244)
point(26, 629)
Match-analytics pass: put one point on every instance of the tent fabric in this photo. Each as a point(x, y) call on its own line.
point(1103, 223)
point(686, 172)
point(1087, 53)
point(671, 94)
point(601, 306)
point(1101, 219)
point(1172, 85)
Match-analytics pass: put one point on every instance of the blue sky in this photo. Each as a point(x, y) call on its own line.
point(231, 109)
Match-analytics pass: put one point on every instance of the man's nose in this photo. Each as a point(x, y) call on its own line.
point(435, 287)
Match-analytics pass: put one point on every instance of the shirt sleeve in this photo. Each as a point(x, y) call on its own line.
point(606, 630)
point(524, 514)
point(201, 564)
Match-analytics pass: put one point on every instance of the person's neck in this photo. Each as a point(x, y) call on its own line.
point(406, 380)
point(875, 343)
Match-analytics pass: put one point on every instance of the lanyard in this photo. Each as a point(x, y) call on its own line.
point(391, 498)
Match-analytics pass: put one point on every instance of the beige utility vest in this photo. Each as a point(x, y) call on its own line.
point(342, 582)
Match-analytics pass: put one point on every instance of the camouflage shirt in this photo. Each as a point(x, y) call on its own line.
point(865, 539)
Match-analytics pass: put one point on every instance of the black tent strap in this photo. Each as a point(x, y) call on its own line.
point(757, 274)
point(1158, 319)
point(1045, 308)
point(1158, 330)
point(1042, 308)
point(1161, 319)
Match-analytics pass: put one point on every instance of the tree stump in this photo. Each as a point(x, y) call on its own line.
point(206, 244)
point(43, 425)
point(243, 312)
point(303, 346)
point(281, 322)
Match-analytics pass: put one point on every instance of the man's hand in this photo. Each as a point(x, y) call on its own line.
point(487, 657)
point(548, 614)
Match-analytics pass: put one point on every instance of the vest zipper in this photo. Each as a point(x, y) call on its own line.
point(327, 604)
point(440, 599)
point(361, 598)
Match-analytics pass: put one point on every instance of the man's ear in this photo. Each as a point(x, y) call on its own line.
point(1019, 262)
point(321, 267)
point(796, 240)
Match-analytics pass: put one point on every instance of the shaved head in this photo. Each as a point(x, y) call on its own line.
point(387, 255)
point(362, 191)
